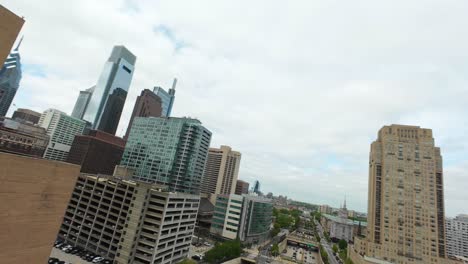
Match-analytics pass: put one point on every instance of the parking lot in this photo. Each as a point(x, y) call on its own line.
point(300, 255)
point(63, 253)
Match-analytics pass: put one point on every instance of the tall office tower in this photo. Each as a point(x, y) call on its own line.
point(457, 236)
point(221, 171)
point(256, 188)
point(242, 187)
point(406, 222)
point(107, 101)
point(170, 151)
point(129, 222)
point(247, 217)
point(97, 152)
point(82, 103)
point(147, 104)
point(61, 129)
point(22, 138)
point(11, 26)
point(10, 76)
point(167, 98)
point(26, 115)
point(34, 194)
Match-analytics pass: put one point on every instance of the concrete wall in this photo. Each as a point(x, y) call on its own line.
point(10, 26)
point(34, 194)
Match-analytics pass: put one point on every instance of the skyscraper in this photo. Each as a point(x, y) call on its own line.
point(11, 26)
point(457, 236)
point(406, 222)
point(167, 98)
point(147, 104)
point(61, 129)
point(107, 101)
point(10, 76)
point(170, 151)
point(256, 188)
point(82, 103)
point(221, 171)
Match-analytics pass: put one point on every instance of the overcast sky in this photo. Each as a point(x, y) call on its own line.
point(299, 87)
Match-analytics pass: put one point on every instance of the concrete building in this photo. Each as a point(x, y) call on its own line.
point(204, 217)
point(128, 221)
point(10, 26)
point(221, 171)
point(26, 115)
point(242, 187)
point(97, 152)
point(406, 219)
point(10, 77)
point(167, 98)
point(62, 130)
point(246, 217)
point(147, 104)
point(22, 138)
point(457, 236)
point(325, 209)
point(34, 194)
point(82, 103)
point(170, 151)
point(339, 227)
point(107, 101)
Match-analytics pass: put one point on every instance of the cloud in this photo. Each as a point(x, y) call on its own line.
point(300, 89)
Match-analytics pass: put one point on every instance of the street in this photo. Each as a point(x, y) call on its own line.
point(325, 244)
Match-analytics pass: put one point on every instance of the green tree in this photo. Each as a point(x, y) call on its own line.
point(188, 261)
point(275, 250)
point(324, 255)
point(343, 244)
point(223, 252)
point(275, 230)
point(335, 248)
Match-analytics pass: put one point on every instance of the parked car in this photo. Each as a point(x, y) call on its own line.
point(97, 259)
point(53, 260)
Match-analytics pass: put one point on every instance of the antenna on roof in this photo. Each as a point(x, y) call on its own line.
point(19, 43)
point(174, 83)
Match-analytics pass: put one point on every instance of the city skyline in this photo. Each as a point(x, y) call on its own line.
point(298, 127)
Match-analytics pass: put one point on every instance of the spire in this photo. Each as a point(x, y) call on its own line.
point(19, 44)
point(174, 83)
point(344, 205)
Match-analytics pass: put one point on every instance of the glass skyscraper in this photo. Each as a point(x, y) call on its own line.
point(167, 98)
point(10, 76)
point(169, 151)
point(106, 104)
point(82, 103)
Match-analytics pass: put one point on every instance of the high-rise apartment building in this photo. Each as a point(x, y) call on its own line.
point(147, 104)
point(170, 151)
point(10, 26)
point(128, 221)
point(221, 171)
point(457, 236)
point(242, 187)
point(82, 103)
point(406, 219)
point(22, 138)
point(167, 98)
point(108, 98)
point(10, 76)
point(34, 194)
point(246, 217)
point(62, 130)
point(97, 152)
point(26, 115)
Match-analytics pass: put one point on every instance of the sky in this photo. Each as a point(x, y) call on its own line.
point(300, 88)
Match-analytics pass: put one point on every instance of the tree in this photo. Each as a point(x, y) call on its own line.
point(275, 230)
point(343, 244)
point(324, 255)
point(223, 252)
point(187, 261)
point(335, 248)
point(275, 250)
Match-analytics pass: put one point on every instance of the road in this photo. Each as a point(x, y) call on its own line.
point(325, 244)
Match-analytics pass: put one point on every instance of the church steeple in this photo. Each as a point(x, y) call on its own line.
point(344, 204)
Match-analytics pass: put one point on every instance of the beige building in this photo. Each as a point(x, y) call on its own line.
point(221, 171)
point(406, 200)
point(325, 209)
point(34, 194)
point(10, 26)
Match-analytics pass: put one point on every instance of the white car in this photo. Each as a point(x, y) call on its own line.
point(97, 259)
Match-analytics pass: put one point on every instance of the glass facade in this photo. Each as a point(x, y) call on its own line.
point(10, 76)
point(82, 103)
point(169, 151)
point(167, 98)
point(106, 104)
point(260, 218)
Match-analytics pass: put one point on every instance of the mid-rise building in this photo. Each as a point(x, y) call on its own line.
point(406, 215)
point(325, 209)
point(338, 227)
point(128, 221)
point(26, 115)
point(108, 98)
point(457, 236)
point(242, 187)
point(82, 103)
point(246, 217)
point(221, 171)
point(34, 194)
point(170, 151)
point(147, 104)
point(22, 138)
point(11, 25)
point(167, 98)
point(97, 152)
point(10, 77)
point(62, 130)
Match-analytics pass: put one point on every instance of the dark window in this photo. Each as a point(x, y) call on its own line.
point(126, 69)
